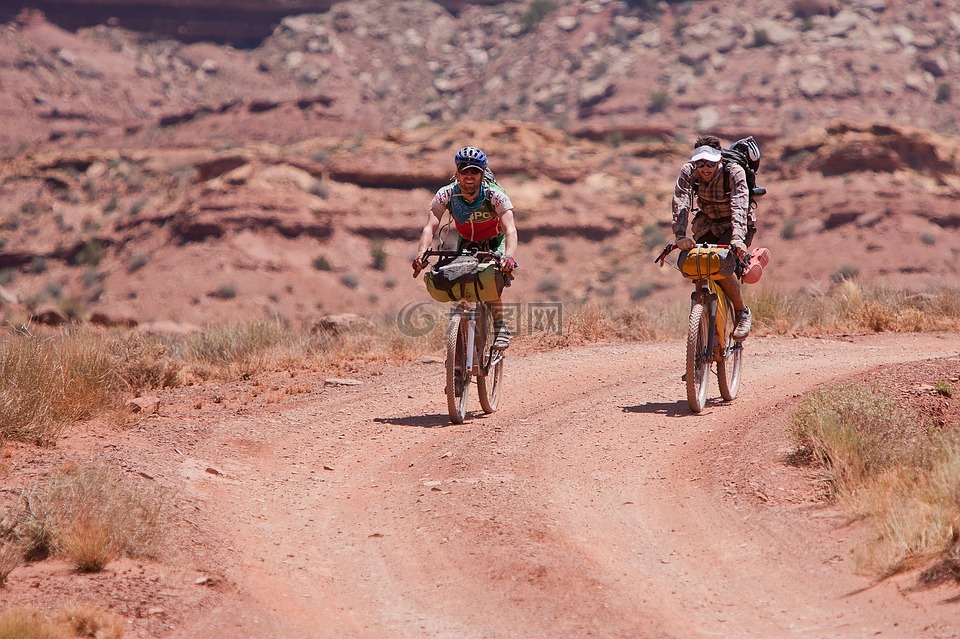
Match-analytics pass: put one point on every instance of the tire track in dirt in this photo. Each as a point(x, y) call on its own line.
point(592, 504)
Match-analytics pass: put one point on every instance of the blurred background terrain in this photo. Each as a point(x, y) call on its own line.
point(185, 161)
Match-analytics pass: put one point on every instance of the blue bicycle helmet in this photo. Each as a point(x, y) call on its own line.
point(470, 156)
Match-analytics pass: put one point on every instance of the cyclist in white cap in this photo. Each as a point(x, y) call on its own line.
point(720, 216)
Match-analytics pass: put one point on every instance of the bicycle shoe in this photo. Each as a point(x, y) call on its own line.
point(502, 342)
point(744, 322)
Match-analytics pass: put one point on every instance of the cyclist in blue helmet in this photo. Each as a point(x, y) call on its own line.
point(482, 214)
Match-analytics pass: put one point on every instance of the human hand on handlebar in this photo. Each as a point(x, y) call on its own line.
point(507, 263)
point(684, 243)
point(739, 248)
point(418, 264)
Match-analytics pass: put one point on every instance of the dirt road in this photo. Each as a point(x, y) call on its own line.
point(593, 504)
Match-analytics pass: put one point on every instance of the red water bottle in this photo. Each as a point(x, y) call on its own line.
point(759, 260)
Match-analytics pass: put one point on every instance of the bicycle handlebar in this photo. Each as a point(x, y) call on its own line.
point(670, 247)
point(481, 255)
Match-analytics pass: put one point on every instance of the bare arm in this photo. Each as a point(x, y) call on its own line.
point(509, 231)
point(429, 231)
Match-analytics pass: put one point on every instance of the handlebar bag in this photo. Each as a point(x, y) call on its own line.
point(701, 263)
point(464, 278)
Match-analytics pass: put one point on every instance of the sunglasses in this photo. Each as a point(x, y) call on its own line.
point(703, 164)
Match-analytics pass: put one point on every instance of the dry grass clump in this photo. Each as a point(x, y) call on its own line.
point(49, 382)
point(852, 307)
point(79, 620)
point(11, 556)
point(241, 351)
point(91, 517)
point(27, 623)
point(84, 620)
point(887, 468)
point(52, 379)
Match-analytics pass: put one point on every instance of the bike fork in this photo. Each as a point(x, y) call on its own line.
point(471, 340)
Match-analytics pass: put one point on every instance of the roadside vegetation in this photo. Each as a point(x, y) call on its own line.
point(886, 467)
point(79, 620)
point(55, 377)
point(892, 470)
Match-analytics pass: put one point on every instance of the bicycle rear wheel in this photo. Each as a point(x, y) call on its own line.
point(490, 379)
point(458, 377)
point(698, 357)
point(728, 368)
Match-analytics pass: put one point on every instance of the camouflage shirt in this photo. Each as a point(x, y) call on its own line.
point(719, 211)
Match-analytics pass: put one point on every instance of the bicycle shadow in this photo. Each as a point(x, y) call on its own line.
point(670, 409)
point(418, 421)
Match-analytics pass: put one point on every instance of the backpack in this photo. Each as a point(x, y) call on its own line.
point(746, 153)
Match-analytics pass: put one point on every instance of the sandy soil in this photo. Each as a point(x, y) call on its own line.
point(593, 504)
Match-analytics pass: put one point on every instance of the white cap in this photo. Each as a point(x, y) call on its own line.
point(707, 153)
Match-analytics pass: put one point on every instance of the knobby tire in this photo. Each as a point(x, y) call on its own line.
point(489, 384)
point(698, 359)
point(729, 367)
point(458, 379)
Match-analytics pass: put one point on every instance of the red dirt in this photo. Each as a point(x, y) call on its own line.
point(593, 504)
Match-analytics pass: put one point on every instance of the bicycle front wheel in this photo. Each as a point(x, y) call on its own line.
point(490, 379)
point(698, 357)
point(458, 376)
point(728, 366)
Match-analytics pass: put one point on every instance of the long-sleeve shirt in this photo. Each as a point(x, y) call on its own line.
point(719, 210)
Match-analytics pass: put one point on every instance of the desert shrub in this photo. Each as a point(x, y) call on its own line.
point(659, 101)
point(888, 469)
point(90, 517)
point(240, 349)
point(536, 11)
point(27, 623)
point(944, 92)
point(789, 229)
point(654, 236)
point(11, 556)
point(137, 207)
point(137, 261)
point(549, 284)
point(760, 38)
point(321, 263)
point(855, 432)
point(51, 381)
point(943, 388)
point(320, 189)
point(845, 272)
point(226, 291)
point(38, 264)
point(90, 254)
point(142, 363)
point(378, 253)
point(84, 620)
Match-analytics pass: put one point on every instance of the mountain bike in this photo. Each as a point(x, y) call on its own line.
point(711, 324)
point(470, 352)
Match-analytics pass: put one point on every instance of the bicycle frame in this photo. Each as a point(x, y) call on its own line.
point(710, 334)
point(709, 293)
point(468, 353)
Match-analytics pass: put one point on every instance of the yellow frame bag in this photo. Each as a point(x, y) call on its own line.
point(707, 263)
